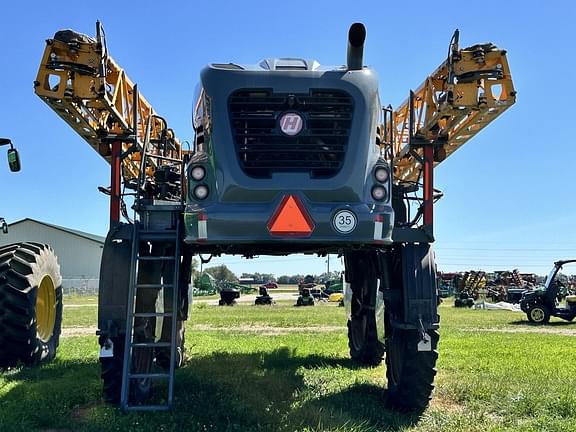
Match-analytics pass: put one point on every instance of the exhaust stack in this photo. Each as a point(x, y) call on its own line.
point(356, 38)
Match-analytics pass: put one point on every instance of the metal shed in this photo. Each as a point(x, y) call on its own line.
point(79, 253)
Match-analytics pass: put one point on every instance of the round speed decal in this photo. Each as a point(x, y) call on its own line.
point(344, 221)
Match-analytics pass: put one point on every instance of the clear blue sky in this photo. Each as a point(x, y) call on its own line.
point(509, 193)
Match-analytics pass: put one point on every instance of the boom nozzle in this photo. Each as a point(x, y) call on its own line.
point(356, 38)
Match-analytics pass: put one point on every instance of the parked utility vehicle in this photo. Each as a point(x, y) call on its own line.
point(542, 303)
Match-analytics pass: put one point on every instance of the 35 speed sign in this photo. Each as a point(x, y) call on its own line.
point(344, 221)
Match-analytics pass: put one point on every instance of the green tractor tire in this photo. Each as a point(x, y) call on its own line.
point(30, 304)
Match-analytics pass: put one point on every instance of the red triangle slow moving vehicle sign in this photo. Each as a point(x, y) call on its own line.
point(291, 219)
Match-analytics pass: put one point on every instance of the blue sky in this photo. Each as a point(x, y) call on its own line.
point(509, 193)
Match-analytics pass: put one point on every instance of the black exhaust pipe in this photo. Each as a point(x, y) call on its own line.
point(356, 38)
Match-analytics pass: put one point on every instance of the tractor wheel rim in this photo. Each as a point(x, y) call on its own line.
point(45, 309)
point(537, 314)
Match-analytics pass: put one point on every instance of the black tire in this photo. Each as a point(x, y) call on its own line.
point(538, 314)
point(365, 347)
point(410, 372)
point(163, 354)
point(29, 280)
point(111, 372)
point(115, 261)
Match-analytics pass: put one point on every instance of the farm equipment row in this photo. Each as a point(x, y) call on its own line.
point(467, 287)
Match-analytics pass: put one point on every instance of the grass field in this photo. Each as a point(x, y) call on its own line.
point(287, 369)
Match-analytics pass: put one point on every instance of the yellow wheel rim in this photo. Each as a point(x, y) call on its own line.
point(45, 309)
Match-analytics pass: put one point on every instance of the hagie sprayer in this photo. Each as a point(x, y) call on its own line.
point(289, 156)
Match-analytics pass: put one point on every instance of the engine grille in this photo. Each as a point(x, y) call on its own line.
point(263, 149)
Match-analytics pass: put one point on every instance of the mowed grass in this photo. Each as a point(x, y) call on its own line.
point(283, 368)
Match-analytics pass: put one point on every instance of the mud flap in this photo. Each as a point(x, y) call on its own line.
point(420, 292)
point(114, 281)
point(410, 292)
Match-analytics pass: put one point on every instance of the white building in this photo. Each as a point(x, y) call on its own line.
point(78, 253)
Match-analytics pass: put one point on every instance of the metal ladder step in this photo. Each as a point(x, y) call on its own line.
point(153, 314)
point(151, 345)
point(158, 235)
point(156, 258)
point(149, 375)
point(147, 408)
point(154, 285)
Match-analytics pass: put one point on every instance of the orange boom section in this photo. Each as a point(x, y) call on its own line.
point(463, 95)
point(79, 80)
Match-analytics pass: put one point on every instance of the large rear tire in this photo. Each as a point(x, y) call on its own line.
point(365, 346)
point(111, 371)
point(410, 372)
point(30, 304)
point(112, 367)
point(114, 284)
point(163, 355)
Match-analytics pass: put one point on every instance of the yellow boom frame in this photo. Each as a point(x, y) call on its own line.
point(461, 97)
point(89, 91)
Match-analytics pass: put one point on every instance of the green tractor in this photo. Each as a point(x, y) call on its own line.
point(264, 298)
point(228, 296)
point(306, 298)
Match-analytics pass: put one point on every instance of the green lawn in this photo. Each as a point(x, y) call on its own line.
point(287, 369)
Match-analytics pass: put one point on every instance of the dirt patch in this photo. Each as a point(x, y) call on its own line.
point(446, 405)
point(540, 330)
point(80, 413)
point(260, 329)
point(80, 305)
point(78, 331)
point(268, 330)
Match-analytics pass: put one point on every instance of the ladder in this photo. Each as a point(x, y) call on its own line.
point(160, 222)
point(139, 353)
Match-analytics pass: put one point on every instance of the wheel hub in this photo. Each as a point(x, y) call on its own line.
point(45, 308)
point(537, 314)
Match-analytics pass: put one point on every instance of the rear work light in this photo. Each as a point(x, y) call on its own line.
point(381, 174)
point(379, 193)
point(198, 173)
point(201, 192)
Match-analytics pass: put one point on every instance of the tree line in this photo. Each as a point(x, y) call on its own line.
point(222, 273)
